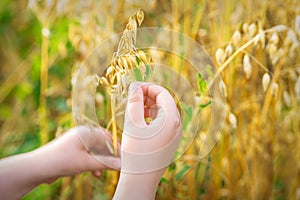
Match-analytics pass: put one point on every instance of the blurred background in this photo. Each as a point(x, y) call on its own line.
point(254, 44)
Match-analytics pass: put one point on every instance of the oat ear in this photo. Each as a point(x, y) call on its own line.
point(140, 16)
point(127, 56)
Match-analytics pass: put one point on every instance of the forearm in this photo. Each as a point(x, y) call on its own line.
point(20, 174)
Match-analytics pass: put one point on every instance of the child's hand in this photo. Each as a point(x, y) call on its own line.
point(147, 147)
point(71, 152)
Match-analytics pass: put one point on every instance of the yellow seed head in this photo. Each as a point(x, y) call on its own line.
point(142, 56)
point(228, 50)
point(222, 88)
point(274, 38)
point(297, 24)
point(262, 38)
point(291, 38)
point(287, 98)
point(236, 38)
point(130, 65)
point(220, 56)
point(232, 120)
point(110, 70)
point(120, 63)
point(247, 67)
point(245, 27)
point(252, 29)
point(297, 88)
point(140, 16)
point(120, 69)
point(265, 81)
point(133, 60)
point(274, 89)
point(103, 81)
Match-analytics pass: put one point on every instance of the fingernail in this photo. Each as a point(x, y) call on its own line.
point(132, 86)
point(117, 164)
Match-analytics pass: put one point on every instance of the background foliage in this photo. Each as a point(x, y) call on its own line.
point(43, 42)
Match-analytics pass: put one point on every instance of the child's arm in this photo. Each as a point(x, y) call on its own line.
point(64, 156)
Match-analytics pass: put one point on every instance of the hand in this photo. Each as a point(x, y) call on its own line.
point(80, 149)
point(64, 156)
point(147, 148)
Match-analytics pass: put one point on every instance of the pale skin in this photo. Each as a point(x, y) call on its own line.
point(147, 100)
point(64, 156)
point(67, 156)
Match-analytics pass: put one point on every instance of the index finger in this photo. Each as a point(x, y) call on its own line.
point(158, 95)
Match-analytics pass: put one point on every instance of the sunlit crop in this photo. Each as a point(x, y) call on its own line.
point(255, 46)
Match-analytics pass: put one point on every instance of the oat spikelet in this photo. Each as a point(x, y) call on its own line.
point(274, 89)
point(265, 81)
point(140, 16)
point(247, 67)
point(297, 88)
point(236, 38)
point(220, 56)
point(232, 120)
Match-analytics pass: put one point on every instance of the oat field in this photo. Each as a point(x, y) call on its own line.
point(254, 47)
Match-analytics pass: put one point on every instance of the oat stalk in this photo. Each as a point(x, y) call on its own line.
point(44, 137)
point(125, 60)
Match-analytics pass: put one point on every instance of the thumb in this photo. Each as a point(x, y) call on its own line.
point(135, 105)
point(108, 162)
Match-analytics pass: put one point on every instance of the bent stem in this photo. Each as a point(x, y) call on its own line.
point(113, 122)
point(43, 89)
point(113, 175)
point(239, 50)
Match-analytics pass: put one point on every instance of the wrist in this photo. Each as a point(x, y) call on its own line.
point(138, 186)
point(46, 165)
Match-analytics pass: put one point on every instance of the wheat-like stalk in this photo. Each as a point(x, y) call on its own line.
point(125, 60)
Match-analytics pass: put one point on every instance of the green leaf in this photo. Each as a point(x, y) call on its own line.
point(202, 86)
point(137, 74)
point(138, 60)
point(61, 105)
point(148, 71)
point(277, 185)
point(188, 110)
point(23, 90)
point(208, 70)
point(5, 111)
point(177, 153)
point(182, 172)
point(197, 170)
point(201, 191)
point(31, 142)
point(172, 167)
point(164, 180)
point(205, 105)
point(44, 191)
